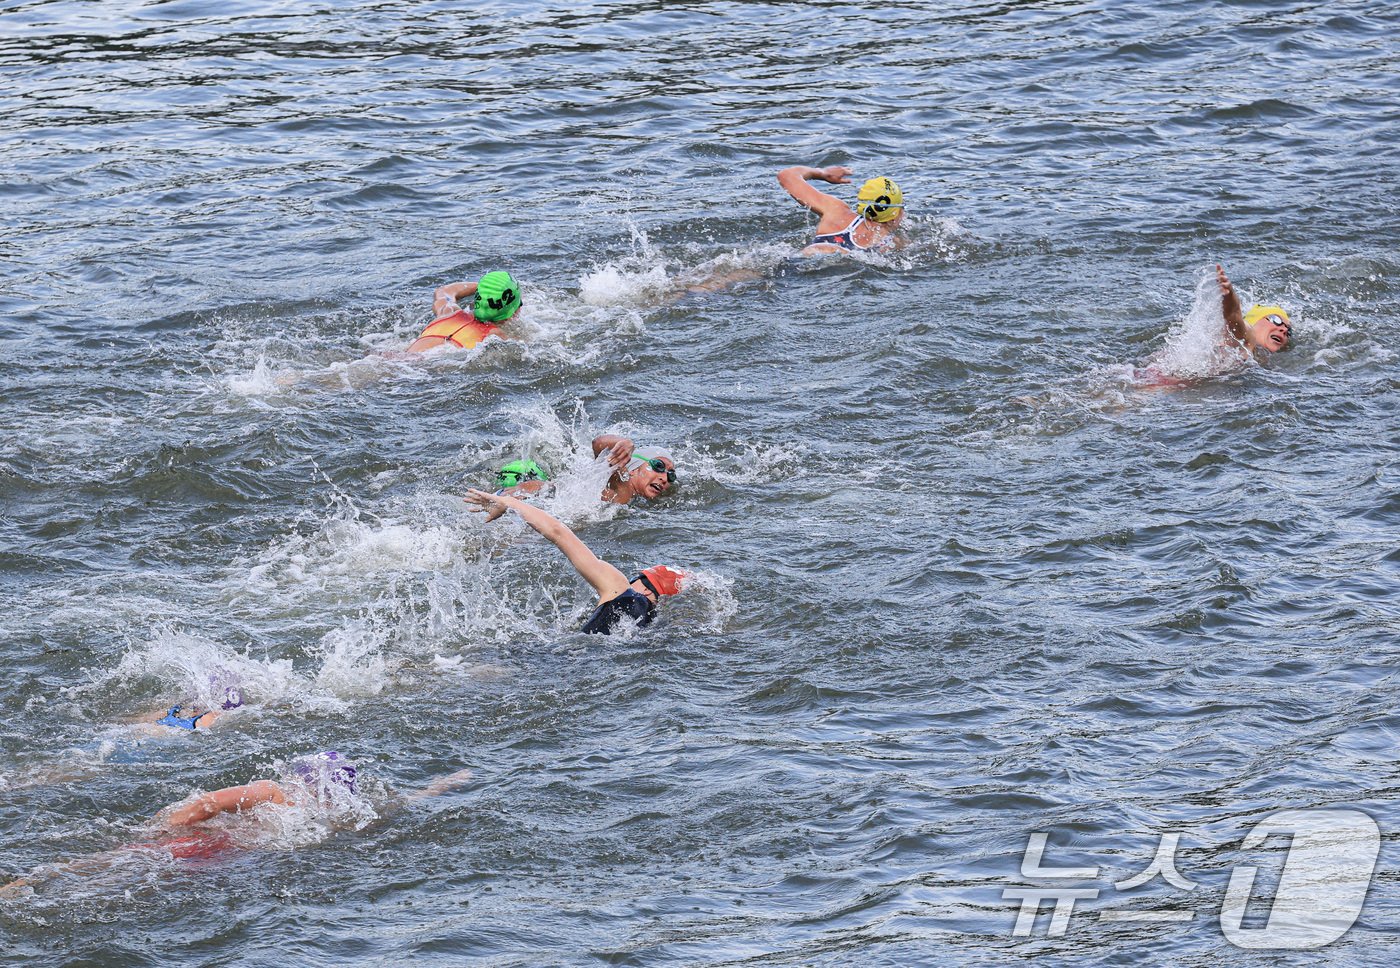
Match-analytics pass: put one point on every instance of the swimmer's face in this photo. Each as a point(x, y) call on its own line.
point(1270, 333)
point(651, 483)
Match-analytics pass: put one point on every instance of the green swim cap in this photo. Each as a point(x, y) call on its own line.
point(520, 470)
point(497, 297)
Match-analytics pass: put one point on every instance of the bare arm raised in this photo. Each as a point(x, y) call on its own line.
point(606, 580)
point(445, 297)
point(619, 448)
point(835, 214)
point(1230, 306)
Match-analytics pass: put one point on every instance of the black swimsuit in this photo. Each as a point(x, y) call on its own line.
point(606, 616)
point(846, 239)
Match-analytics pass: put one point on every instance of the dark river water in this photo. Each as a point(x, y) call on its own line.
point(959, 576)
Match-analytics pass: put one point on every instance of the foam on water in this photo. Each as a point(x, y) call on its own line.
point(192, 669)
point(1195, 344)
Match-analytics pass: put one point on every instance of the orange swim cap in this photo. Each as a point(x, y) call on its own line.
point(662, 580)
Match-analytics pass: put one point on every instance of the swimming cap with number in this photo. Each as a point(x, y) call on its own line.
point(520, 470)
point(879, 199)
point(497, 297)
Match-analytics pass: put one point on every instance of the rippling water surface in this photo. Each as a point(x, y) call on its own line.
point(959, 578)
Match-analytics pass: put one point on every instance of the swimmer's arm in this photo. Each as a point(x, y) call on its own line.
point(795, 182)
point(619, 448)
point(606, 580)
point(443, 784)
point(445, 297)
point(227, 800)
point(206, 719)
point(1230, 306)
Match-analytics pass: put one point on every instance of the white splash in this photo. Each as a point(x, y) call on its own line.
point(1195, 346)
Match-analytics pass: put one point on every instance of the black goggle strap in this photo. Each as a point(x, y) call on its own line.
point(647, 582)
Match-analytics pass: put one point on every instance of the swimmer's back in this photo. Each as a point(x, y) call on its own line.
point(461, 329)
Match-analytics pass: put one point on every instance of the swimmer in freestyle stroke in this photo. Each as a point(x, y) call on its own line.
point(871, 226)
point(322, 780)
point(190, 717)
point(618, 596)
point(495, 300)
point(647, 473)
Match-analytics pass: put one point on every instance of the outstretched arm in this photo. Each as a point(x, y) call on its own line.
point(1230, 306)
point(619, 448)
point(606, 580)
point(795, 182)
point(227, 800)
point(441, 785)
point(445, 297)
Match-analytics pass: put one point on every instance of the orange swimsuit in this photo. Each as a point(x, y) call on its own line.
point(460, 329)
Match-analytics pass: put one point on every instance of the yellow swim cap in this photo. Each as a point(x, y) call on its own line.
point(879, 199)
point(1257, 313)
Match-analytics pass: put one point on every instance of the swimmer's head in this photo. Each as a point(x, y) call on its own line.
point(661, 580)
point(497, 297)
point(1268, 327)
point(324, 770)
point(520, 470)
point(223, 683)
point(652, 473)
point(880, 200)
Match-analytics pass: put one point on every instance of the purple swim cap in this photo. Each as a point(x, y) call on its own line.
point(325, 768)
point(221, 680)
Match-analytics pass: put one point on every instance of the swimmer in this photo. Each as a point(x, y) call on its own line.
point(871, 225)
point(618, 596)
point(1265, 328)
point(124, 742)
point(179, 716)
point(647, 473)
point(496, 299)
point(322, 780)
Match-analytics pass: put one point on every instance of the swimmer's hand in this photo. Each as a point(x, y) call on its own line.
point(1230, 307)
point(492, 504)
point(482, 501)
point(835, 174)
point(621, 452)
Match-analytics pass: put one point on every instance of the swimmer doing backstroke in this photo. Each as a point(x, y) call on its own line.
point(1265, 328)
point(618, 596)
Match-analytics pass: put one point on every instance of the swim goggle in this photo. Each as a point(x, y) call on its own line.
point(658, 465)
point(1276, 320)
point(656, 595)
